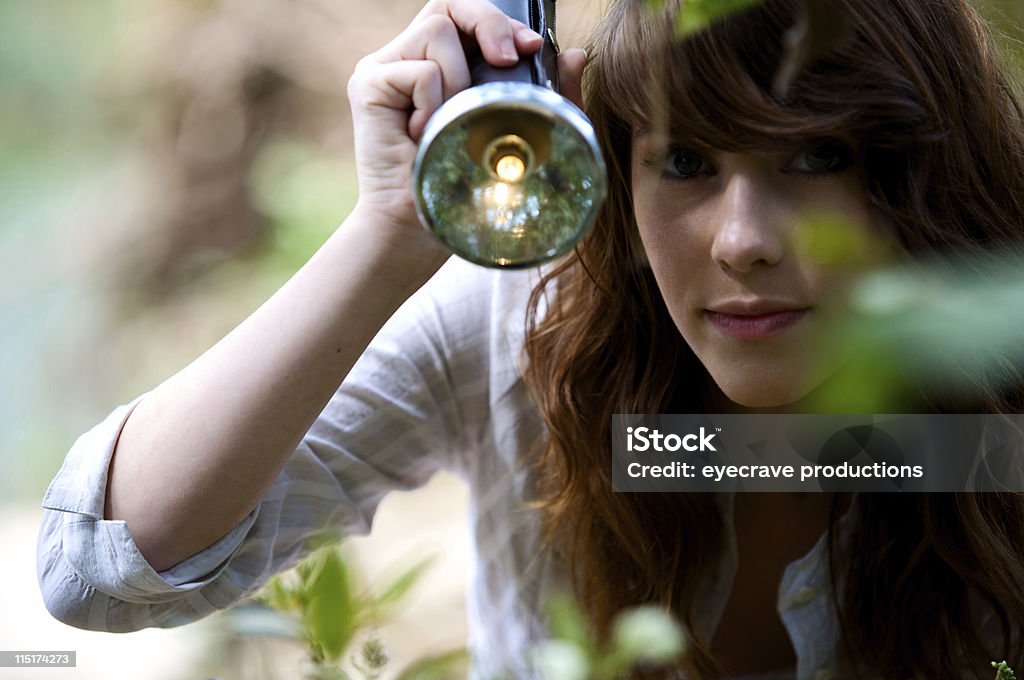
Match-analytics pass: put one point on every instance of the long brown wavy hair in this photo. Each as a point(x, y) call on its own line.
point(941, 137)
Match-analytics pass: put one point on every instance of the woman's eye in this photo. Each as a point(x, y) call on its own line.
point(826, 157)
point(684, 164)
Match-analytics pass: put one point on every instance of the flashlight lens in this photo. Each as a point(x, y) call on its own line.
point(510, 168)
point(511, 178)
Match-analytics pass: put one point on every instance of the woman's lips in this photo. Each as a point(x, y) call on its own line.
point(756, 326)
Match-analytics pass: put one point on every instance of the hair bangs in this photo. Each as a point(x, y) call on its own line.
point(717, 88)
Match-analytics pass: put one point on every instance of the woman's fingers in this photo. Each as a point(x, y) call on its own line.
point(434, 38)
point(440, 30)
point(570, 74)
point(400, 86)
point(438, 35)
point(501, 38)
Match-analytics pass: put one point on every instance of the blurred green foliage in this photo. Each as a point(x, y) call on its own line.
point(334, 610)
point(303, 194)
point(694, 15)
point(54, 140)
point(52, 57)
point(957, 328)
point(89, 193)
point(642, 637)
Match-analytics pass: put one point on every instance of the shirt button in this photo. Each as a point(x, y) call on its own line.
point(824, 674)
point(805, 595)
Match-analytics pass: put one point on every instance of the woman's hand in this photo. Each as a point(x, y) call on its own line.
point(395, 90)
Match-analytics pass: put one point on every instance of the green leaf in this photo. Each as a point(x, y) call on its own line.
point(642, 635)
point(281, 596)
point(695, 15)
point(402, 584)
point(439, 666)
point(565, 621)
point(830, 239)
point(320, 672)
point(563, 660)
point(949, 324)
point(332, 614)
point(647, 635)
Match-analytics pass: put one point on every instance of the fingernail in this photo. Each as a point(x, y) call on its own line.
point(526, 34)
point(508, 49)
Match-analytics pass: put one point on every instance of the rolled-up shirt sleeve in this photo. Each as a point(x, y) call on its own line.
point(90, 567)
point(396, 420)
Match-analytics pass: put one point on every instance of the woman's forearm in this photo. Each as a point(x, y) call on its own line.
point(197, 454)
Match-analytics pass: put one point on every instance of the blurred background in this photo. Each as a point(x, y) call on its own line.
point(165, 165)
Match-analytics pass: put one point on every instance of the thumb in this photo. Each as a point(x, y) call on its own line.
point(570, 74)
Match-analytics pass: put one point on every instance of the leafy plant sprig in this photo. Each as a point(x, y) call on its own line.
point(642, 636)
point(1003, 671)
point(324, 592)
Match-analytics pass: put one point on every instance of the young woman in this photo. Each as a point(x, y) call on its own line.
point(692, 294)
point(907, 128)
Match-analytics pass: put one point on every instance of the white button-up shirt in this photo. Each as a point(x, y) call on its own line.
point(438, 388)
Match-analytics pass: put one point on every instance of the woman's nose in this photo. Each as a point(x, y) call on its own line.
point(747, 226)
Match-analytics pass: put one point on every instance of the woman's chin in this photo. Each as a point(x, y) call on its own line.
point(760, 401)
point(766, 395)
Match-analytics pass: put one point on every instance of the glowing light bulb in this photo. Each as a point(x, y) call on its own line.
point(510, 168)
point(501, 191)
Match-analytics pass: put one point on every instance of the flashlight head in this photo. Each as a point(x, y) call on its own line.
point(509, 174)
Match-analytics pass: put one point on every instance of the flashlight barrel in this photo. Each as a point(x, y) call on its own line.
point(540, 68)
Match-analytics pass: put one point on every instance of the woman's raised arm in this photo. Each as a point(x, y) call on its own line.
point(199, 451)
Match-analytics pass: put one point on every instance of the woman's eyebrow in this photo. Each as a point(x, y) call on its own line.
point(665, 139)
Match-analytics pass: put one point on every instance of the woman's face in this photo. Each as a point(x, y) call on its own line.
point(726, 238)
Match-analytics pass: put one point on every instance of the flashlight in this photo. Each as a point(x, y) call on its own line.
point(508, 173)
